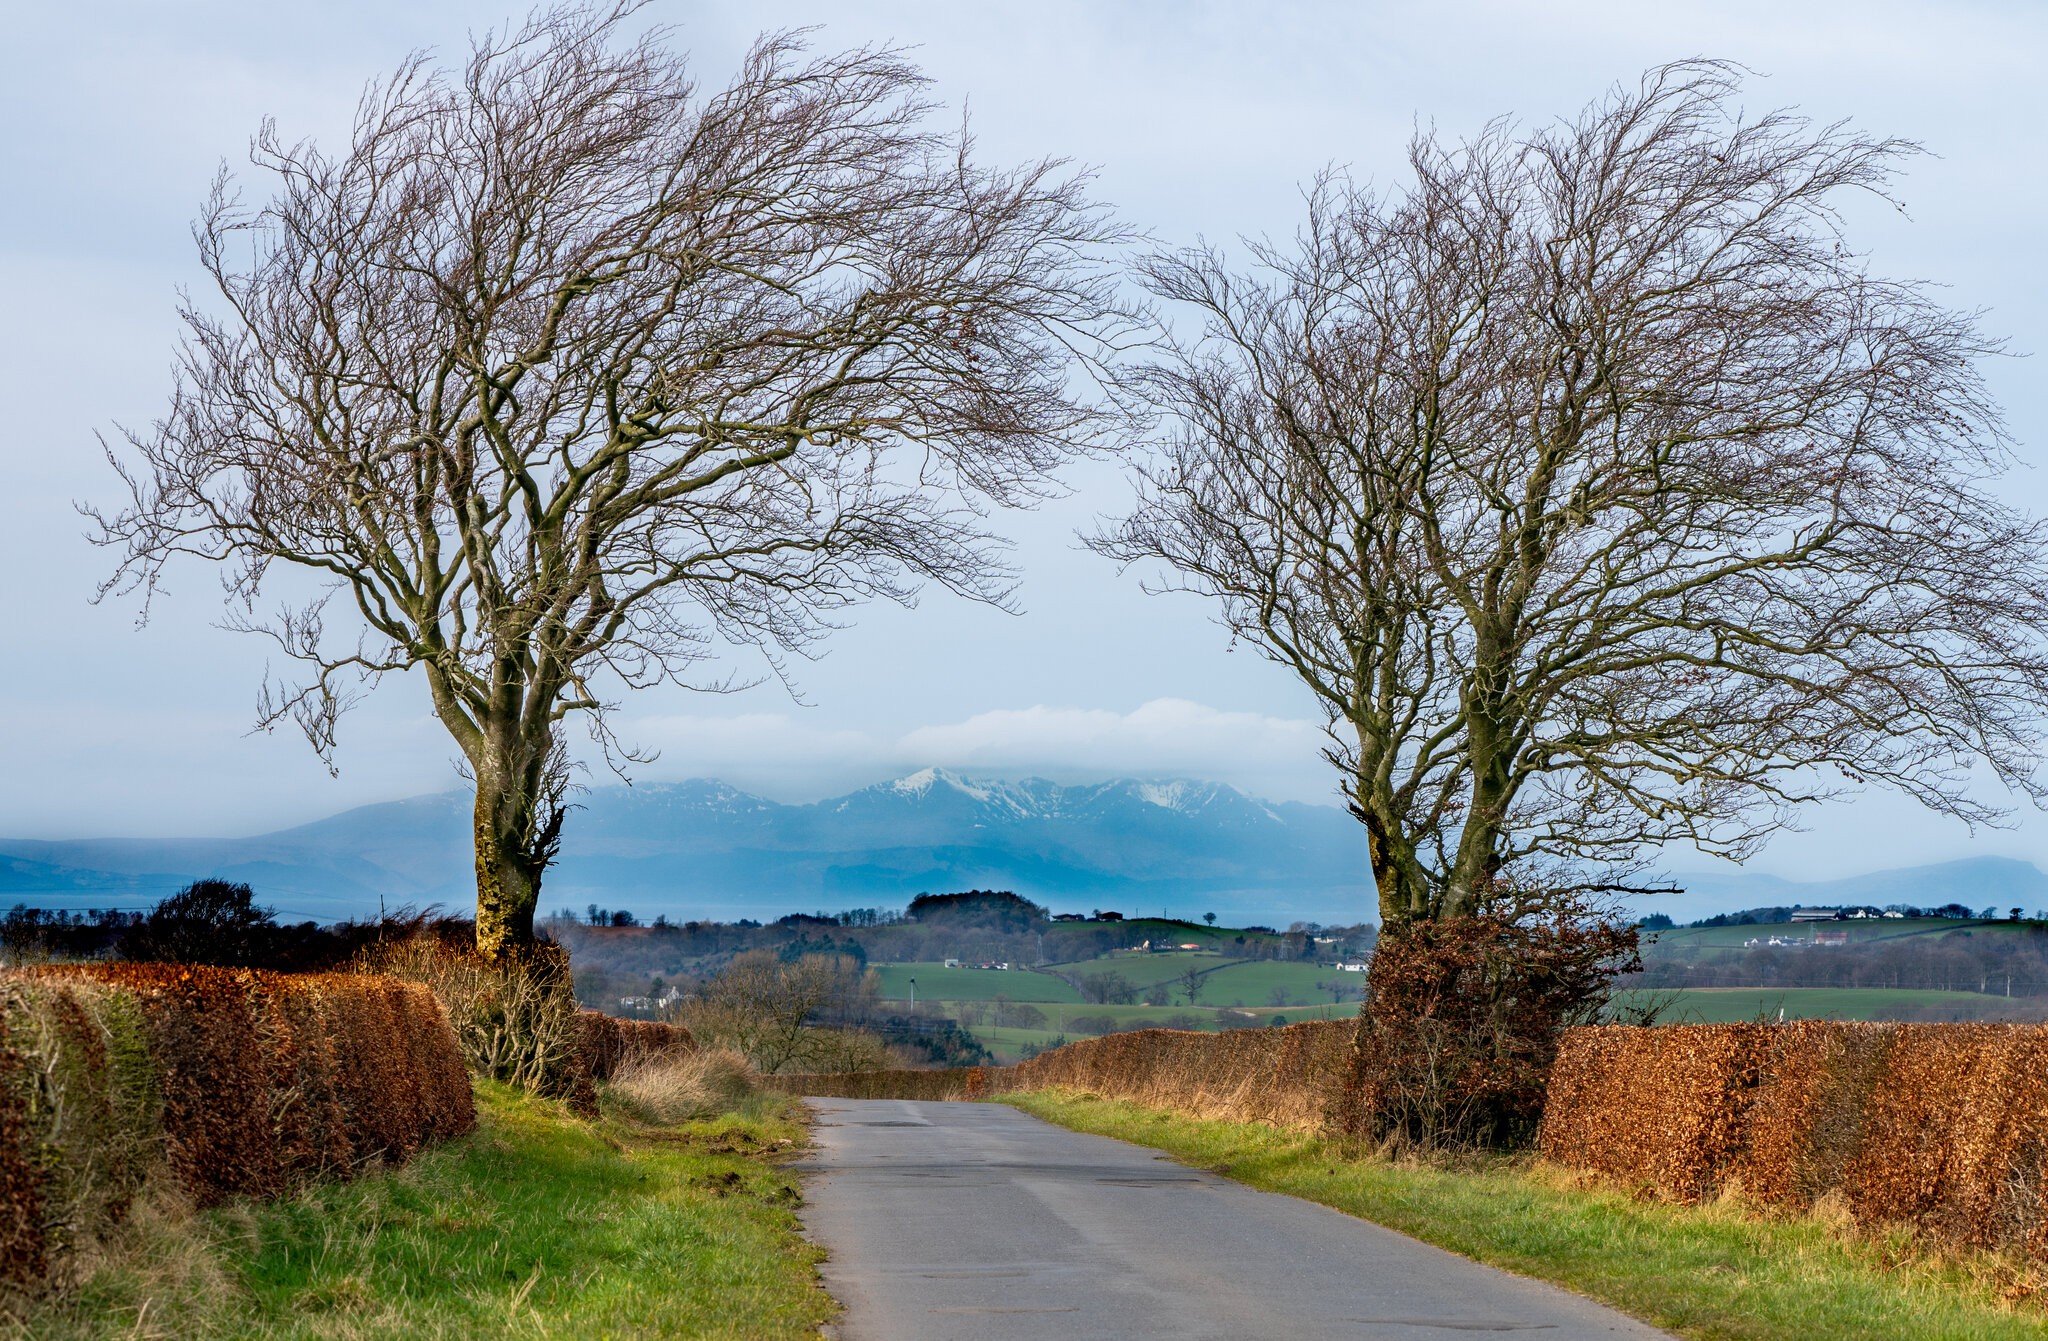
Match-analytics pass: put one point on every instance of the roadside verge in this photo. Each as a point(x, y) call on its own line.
point(1715, 1271)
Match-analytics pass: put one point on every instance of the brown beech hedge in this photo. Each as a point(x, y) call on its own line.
point(604, 1043)
point(1290, 1077)
point(238, 1082)
point(1939, 1126)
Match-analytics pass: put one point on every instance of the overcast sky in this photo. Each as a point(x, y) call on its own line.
point(1203, 120)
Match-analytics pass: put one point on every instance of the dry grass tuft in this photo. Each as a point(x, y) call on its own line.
point(672, 1087)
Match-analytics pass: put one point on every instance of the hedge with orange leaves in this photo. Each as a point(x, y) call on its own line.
point(1940, 1126)
point(239, 1082)
point(1290, 1077)
point(604, 1043)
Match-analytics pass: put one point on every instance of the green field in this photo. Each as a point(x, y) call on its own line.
point(1007, 1043)
point(1225, 982)
point(1252, 983)
point(1731, 1005)
point(936, 982)
point(1860, 932)
point(1145, 970)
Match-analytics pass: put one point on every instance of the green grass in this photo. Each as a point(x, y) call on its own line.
point(1007, 1043)
point(538, 1225)
point(1253, 982)
point(1712, 1272)
point(1224, 982)
point(1860, 931)
point(1728, 1005)
point(936, 982)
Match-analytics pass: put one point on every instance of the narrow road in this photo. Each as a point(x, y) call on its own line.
point(976, 1221)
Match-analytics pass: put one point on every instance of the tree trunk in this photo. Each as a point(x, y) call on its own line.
point(518, 830)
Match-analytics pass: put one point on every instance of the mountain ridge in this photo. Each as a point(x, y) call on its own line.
point(702, 848)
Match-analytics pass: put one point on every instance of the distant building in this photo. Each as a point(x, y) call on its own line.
point(1815, 915)
point(1830, 938)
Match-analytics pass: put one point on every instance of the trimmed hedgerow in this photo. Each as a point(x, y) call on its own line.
point(1941, 1127)
point(235, 1081)
point(605, 1043)
point(1291, 1077)
point(23, 1254)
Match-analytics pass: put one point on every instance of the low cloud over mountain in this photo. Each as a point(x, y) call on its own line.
point(704, 849)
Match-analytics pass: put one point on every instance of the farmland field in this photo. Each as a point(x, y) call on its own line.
point(1860, 932)
point(1729, 1005)
point(1007, 1043)
point(936, 982)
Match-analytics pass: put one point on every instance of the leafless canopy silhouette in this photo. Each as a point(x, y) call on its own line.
point(1602, 495)
point(565, 375)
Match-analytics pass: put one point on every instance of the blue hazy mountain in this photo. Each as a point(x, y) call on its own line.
point(703, 849)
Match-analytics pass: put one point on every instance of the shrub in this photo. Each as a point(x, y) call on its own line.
point(515, 1020)
point(1462, 1020)
point(207, 922)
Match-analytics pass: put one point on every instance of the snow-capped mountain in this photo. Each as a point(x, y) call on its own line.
point(706, 849)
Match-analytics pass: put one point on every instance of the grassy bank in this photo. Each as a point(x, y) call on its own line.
point(1710, 1272)
point(536, 1226)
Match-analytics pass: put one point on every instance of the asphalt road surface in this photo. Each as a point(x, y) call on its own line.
point(972, 1221)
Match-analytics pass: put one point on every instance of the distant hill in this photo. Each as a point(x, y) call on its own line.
point(707, 850)
point(1977, 882)
point(703, 849)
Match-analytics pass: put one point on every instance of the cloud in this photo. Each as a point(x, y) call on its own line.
point(1277, 757)
point(780, 755)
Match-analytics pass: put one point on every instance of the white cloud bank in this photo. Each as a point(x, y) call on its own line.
point(780, 755)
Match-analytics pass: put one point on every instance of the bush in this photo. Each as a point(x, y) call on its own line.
point(207, 922)
point(515, 1020)
point(1462, 1020)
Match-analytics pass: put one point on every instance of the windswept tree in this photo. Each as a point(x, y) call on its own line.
point(1602, 495)
point(564, 376)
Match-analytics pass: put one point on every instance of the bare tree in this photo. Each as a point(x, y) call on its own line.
point(563, 376)
point(1602, 496)
point(777, 1012)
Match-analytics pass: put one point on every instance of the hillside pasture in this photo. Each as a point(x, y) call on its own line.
point(1861, 932)
point(1225, 982)
point(1007, 1044)
point(1734, 1005)
point(936, 982)
point(1252, 983)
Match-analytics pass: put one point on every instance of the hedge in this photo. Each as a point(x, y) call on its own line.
point(237, 1082)
point(1943, 1127)
point(1290, 1077)
point(604, 1043)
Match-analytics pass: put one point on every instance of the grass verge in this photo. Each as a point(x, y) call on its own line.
point(1709, 1272)
point(538, 1225)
